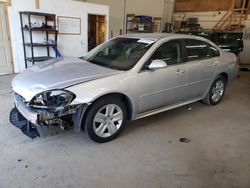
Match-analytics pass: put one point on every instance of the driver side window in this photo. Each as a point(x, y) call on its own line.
point(170, 52)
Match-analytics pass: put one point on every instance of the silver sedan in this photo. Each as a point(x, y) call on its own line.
point(126, 78)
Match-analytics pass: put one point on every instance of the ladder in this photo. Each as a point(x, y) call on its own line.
point(233, 19)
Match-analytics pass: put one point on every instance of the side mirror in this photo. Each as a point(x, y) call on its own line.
point(157, 64)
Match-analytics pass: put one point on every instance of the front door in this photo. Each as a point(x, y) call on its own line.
point(164, 86)
point(5, 60)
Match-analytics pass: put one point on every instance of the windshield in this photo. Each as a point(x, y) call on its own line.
point(119, 53)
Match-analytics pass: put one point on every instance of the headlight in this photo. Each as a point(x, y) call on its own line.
point(53, 100)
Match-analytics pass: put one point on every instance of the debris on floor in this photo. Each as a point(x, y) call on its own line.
point(185, 140)
point(189, 108)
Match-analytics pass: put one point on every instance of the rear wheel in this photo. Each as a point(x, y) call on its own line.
point(216, 91)
point(105, 119)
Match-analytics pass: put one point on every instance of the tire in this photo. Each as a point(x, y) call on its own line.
point(105, 119)
point(216, 91)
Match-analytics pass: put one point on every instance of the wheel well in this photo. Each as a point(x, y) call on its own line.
point(124, 98)
point(224, 75)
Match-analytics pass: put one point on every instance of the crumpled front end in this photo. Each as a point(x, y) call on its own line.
point(24, 116)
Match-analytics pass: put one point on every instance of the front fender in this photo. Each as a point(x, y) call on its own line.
point(125, 83)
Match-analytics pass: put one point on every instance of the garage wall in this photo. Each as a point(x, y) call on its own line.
point(150, 7)
point(68, 45)
point(119, 9)
point(209, 19)
point(116, 14)
point(76, 45)
point(202, 5)
point(206, 19)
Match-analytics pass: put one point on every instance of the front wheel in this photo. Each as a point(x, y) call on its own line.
point(105, 119)
point(216, 91)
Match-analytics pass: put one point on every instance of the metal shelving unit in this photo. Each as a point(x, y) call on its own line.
point(134, 25)
point(47, 30)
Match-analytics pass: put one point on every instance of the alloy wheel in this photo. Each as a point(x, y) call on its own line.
point(108, 120)
point(218, 90)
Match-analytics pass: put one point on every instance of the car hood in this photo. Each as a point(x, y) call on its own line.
point(57, 73)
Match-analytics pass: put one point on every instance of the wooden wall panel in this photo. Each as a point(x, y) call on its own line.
point(202, 5)
point(184, 5)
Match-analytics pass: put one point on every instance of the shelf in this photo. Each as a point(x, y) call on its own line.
point(38, 59)
point(39, 44)
point(39, 29)
point(47, 30)
point(140, 22)
point(135, 24)
point(37, 13)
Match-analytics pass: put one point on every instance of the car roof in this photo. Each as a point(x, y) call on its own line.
point(158, 36)
point(154, 36)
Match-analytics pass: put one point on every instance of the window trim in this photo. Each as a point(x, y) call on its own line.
point(210, 45)
point(186, 54)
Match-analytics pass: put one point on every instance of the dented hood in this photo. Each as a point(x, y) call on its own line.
point(57, 73)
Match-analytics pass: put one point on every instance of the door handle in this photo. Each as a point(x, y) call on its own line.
point(213, 65)
point(180, 72)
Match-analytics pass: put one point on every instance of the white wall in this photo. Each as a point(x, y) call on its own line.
point(116, 14)
point(119, 9)
point(68, 45)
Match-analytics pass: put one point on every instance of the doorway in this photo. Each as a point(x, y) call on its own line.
point(5, 52)
point(96, 30)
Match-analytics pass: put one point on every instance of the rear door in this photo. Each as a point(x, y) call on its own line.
point(201, 66)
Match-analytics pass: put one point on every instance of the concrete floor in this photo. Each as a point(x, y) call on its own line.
point(147, 154)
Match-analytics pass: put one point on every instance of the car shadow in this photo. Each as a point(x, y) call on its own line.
point(163, 117)
point(149, 122)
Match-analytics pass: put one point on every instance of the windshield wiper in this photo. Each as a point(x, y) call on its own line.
point(106, 65)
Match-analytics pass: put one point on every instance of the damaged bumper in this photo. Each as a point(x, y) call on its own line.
point(42, 117)
point(22, 107)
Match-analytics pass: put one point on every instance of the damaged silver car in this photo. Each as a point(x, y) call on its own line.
point(126, 78)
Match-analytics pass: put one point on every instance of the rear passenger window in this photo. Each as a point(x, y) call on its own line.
point(196, 50)
point(214, 51)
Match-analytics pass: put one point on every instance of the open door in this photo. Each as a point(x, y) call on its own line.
point(96, 30)
point(5, 57)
